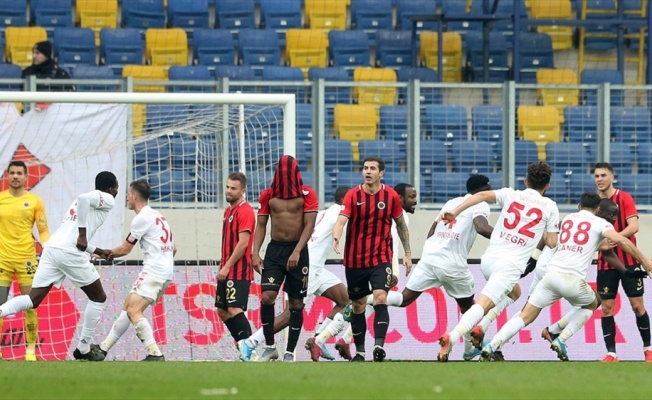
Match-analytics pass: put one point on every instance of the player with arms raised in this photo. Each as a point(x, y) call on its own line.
point(66, 254)
point(526, 216)
point(19, 211)
point(152, 230)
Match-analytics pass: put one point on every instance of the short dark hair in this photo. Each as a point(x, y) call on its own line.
point(604, 165)
point(400, 188)
point(476, 182)
point(607, 204)
point(340, 192)
point(240, 177)
point(141, 187)
point(381, 163)
point(538, 175)
point(105, 180)
point(590, 200)
point(18, 163)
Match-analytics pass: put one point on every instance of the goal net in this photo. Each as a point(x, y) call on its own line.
point(185, 145)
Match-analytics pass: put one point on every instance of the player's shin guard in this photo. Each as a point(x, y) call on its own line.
point(118, 329)
point(467, 322)
point(146, 335)
point(92, 314)
point(296, 322)
point(575, 323)
point(240, 327)
point(359, 329)
point(495, 312)
point(609, 333)
point(511, 328)
point(31, 329)
point(559, 326)
point(18, 303)
point(333, 329)
point(267, 320)
point(643, 323)
point(381, 324)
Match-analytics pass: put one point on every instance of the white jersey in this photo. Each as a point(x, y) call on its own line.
point(151, 229)
point(449, 246)
point(580, 237)
point(395, 239)
point(321, 240)
point(544, 258)
point(89, 211)
point(525, 215)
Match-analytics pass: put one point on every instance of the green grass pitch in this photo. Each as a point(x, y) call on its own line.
point(335, 380)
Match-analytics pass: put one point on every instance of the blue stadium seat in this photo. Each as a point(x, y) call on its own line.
point(581, 124)
point(370, 16)
point(497, 62)
point(94, 72)
point(165, 116)
point(393, 178)
point(74, 46)
point(392, 152)
point(559, 188)
point(285, 74)
point(183, 148)
point(267, 124)
point(601, 43)
point(434, 156)
point(280, 15)
point(121, 46)
point(235, 15)
point(152, 155)
point(487, 123)
point(234, 74)
point(143, 14)
point(188, 15)
point(597, 76)
point(444, 122)
point(424, 75)
point(535, 52)
point(304, 123)
point(50, 14)
point(332, 94)
point(213, 47)
point(408, 8)
point(448, 185)
point(580, 183)
point(339, 157)
point(11, 71)
point(567, 156)
point(506, 27)
point(304, 152)
point(393, 123)
point(13, 13)
point(472, 155)
point(495, 179)
point(190, 73)
point(631, 124)
point(307, 178)
point(350, 179)
point(639, 186)
point(621, 155)
point(259, 48)
point(394, 48)
point(173, 186)
point(525, 153)
point(632, 9)
point(644, 157)
point(453, 7)
point(348, 49)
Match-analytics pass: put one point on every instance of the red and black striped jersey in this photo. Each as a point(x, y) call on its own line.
point(626, 210)
point(237, 219)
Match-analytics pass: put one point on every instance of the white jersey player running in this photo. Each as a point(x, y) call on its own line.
point(67, 254)
point(152, 231)
point(580, 237)
point(526, 216)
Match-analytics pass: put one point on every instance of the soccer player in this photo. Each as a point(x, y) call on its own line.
point(408, 195)
point(293, 208)
point(19, 211)
point(581, 234)
point(67, 254)
point(526, 216)
point(370, 208)
point(152, 230)
point(608, 279)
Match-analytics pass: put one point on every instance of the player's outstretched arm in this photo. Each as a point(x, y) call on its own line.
point(122, 250)
point(629, 248)
point(404, 235)
point(432, 229)
point(482, 226)
point(488, 195)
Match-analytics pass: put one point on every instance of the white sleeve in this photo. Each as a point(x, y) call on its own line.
point(503, 196)
point(481, 210)
point(84, 202)
point(553, 219)
point(139, 227)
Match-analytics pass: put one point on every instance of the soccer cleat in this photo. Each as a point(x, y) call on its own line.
point(346, 312)
point(358, 358)
point(245, 350)
point(269, 353)
point(487, 353)
point(498, 356)
point(325, 354)
point(97, 349)
point(344, 349)
point(288, 357)
point(610, 358)
point(379, 354)
point(470, 356)
point(30, 356)
point(549, 336)
point(560, 348)
point(445, 343)
point(152, 357)
point(92, 355)
point(648, 355)
point(477, 337)
point(314, 349)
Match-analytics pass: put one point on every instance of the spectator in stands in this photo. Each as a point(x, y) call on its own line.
point(44, 67)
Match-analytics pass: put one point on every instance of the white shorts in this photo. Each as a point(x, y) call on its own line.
point(57, 264)
point(458, 284)
point(501, 278)
point(320, 280)
point(537, 275)
point(149, 287)
point(556, 285)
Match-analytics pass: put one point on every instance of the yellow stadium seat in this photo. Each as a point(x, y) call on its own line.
point(306, 48)
point(451, 57)
point(562, 36)
point(376, 95)
point(539, 124)
point(355, 123)
point(326, 14)
point(166, 47)
point(138, 119)
point(97, 14)
point(146, 73)
point(558, 98)
point(19, 42)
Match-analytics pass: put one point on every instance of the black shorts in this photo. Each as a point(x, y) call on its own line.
point(362, 282)
point(232, 293)
point(275, 270)
point(607, 282)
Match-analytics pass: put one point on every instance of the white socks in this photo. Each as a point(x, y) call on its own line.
point(575, 323)
point(91, 318)
point(146, 335)
point(467, 322)
point(495, 312)
point(256, 338)
point(511, 328)
point(559, 326)
point(18, 303)
point(394, 298)
point(324, 324)
point(336, 326)
point(118, 329)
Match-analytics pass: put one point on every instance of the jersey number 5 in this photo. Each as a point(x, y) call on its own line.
point(516, 208)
